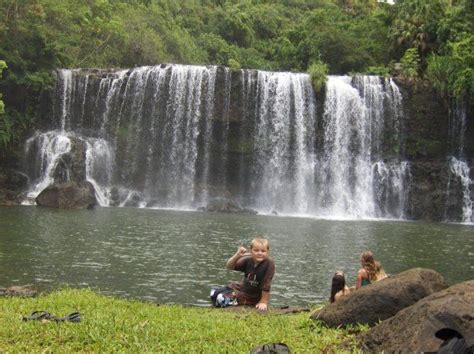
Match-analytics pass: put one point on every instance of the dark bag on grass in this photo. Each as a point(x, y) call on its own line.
point(271, 348)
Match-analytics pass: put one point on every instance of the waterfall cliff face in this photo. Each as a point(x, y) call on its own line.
point(174, 136)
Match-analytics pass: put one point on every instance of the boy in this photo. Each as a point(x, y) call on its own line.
point(258, 269)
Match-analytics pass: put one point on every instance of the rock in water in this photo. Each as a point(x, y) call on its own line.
point(381, 300)
point(69, 195)
point(20, 291)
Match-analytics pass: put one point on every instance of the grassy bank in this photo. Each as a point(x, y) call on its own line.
point(113, 324)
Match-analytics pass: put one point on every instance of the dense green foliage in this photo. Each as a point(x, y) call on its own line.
point(410, 63)
point(115, 325)
point(433, 38)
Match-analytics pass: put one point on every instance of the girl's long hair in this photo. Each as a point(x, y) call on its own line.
point(338, 284)
point(368, 263)
point(379, 271)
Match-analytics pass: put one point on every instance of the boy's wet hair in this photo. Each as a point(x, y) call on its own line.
point(261, 241)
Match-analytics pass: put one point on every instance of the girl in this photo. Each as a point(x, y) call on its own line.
point(368, 273)
point(338, 287)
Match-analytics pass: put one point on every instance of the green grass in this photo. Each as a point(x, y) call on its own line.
point(113, 324)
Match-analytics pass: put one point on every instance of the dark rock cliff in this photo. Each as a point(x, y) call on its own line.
point(428, 148)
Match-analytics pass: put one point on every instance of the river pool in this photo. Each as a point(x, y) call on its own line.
point(170, 256)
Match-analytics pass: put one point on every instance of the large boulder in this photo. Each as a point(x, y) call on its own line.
point(413, 329)
point(381, 300)
point(71, 166)
point(69, 195)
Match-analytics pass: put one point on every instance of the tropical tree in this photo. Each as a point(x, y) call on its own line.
point(415, 25)
point(452, 69)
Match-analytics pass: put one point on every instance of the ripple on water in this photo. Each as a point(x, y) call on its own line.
point(92, 265)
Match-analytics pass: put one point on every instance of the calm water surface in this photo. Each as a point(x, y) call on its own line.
point(176, 257)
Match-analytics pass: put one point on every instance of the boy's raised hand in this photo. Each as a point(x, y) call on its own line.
point(241, 251)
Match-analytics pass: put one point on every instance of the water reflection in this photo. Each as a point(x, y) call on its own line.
point(175, 257)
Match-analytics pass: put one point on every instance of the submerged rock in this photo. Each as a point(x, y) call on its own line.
point(114, 197)
point(69, 195)
point(21, 291)
point(14, 180)
point(414, 329)
point(13, 185)
point(224, 205)
point(134, 200)
point(381, 300)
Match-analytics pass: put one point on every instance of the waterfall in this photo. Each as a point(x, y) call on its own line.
point(176, 136)
point(459, 171)
point(350, 172)
point(285, 124)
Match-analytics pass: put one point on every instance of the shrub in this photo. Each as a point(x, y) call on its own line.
point(233, 64)
point(318, 72)
point(377, 70)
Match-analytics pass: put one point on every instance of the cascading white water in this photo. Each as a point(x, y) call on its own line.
point(165, 101)
point(458, 167)
point(49, 147)
point(349, 171)
point(99, 168)
point(207, 116)
point(285, 173)
point(184, 111)
point(391, 187)
point(114, 84)
point(345, 165)
point(461, 170)
point(174, 136)
point(66, 81)
point(181, 131)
